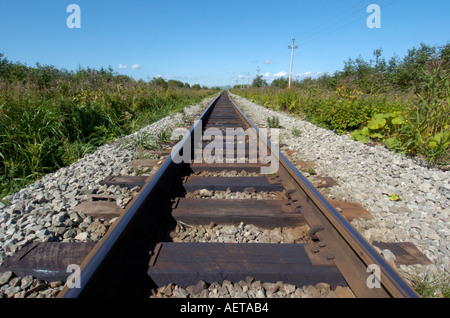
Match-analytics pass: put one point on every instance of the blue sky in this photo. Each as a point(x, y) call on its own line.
point(214, 42)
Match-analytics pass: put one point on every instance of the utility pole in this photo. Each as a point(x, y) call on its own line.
point(248, 77)
point(258, 70)
point(293, 47)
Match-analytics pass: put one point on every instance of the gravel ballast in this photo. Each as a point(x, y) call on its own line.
point(45, 211)
point(251, 288)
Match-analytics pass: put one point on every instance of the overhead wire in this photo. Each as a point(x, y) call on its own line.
point(314, 38)
point(336, 26)
point(324, 26)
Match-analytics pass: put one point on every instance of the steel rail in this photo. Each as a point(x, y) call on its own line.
point(390, 279)
point(99, 254)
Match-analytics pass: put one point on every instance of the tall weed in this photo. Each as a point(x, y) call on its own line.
point(50, 118)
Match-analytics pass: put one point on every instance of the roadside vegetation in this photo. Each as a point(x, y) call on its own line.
point(49, 118)
point(402, 103)
point(433, 286)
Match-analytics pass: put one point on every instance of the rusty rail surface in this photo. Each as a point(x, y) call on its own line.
point(124, 253)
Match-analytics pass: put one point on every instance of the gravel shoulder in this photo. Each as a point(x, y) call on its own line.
point(369, 175)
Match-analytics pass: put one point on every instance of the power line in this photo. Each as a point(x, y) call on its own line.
point(315, 38)
point(324, 26)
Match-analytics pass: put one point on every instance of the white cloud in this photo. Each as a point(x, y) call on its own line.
point(296, 76)
point(136, 67)
point(230, 72)
point(122, 67)
point(280, 74)
point(167, 77)
point(268, 61)
point(308, 74)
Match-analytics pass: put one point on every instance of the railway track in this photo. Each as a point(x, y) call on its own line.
point(132, 260)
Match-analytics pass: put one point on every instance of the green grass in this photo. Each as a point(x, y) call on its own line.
point(431, 286)
point(164, 135)
point(296, 132)
point(274, 122)
point(140, 142)
point(50, 118)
